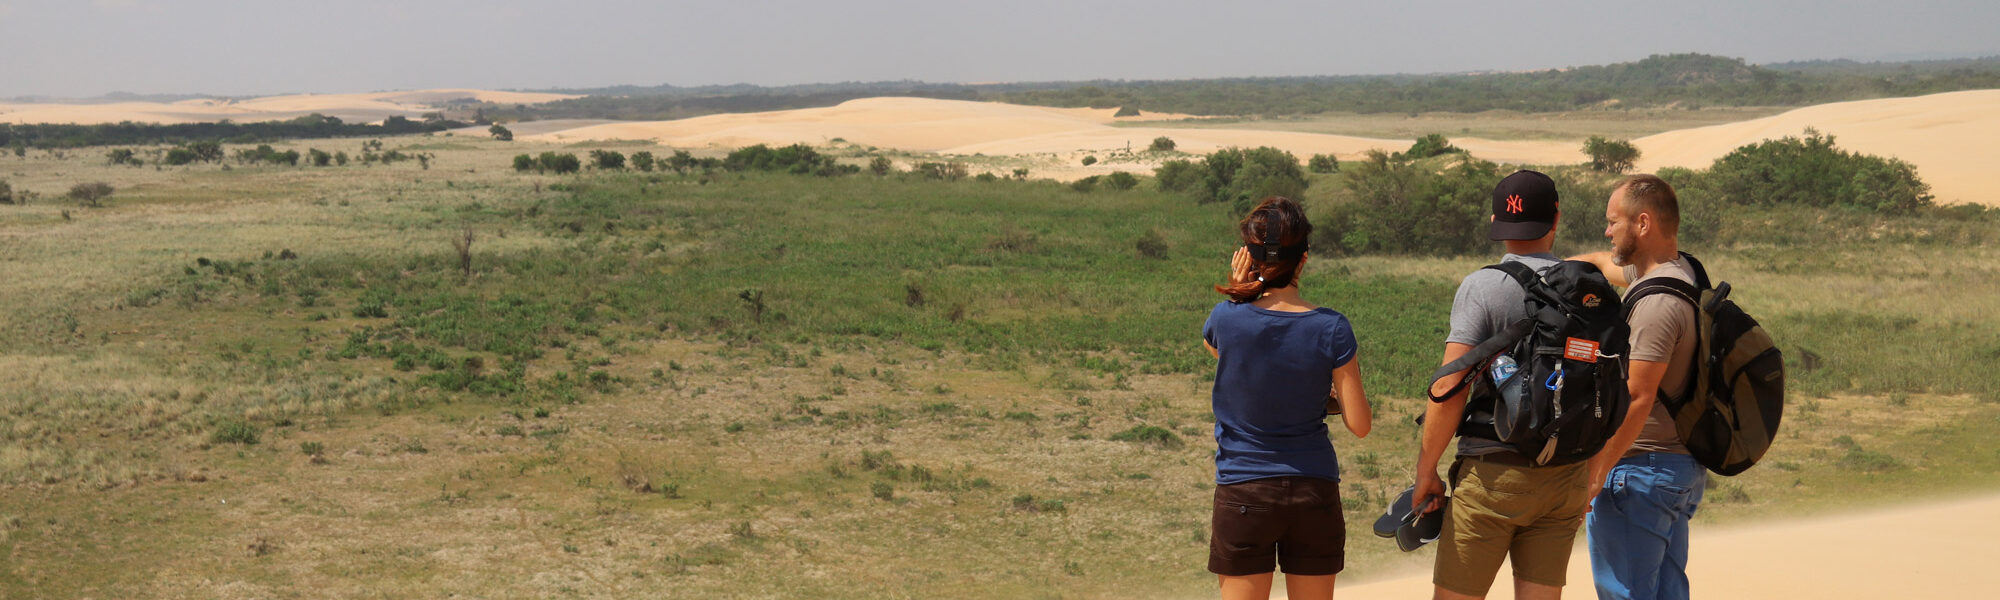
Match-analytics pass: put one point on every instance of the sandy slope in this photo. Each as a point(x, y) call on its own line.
point(1952, 138)
point(1936, 550)
point(352, 107)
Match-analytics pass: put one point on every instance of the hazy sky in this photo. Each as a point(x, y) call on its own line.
point(88, 47)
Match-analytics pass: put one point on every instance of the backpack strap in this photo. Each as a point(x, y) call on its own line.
point(1476, 356)
point(1678, 289)
point(1701, 280)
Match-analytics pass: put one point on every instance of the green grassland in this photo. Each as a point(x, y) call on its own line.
point(282, 382)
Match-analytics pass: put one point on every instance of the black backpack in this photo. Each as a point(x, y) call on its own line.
point(1735, 395)
point(1568, 396)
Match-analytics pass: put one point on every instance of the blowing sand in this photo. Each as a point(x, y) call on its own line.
point(1928, 551)
point(1952, 138)
point(368, 107)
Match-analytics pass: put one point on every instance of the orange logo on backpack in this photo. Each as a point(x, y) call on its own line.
point(1591, 301)
point(1514, 204)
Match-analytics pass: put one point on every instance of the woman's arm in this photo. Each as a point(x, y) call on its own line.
point(1353, 402)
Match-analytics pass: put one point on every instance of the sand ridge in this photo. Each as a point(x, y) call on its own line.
point(368, 107)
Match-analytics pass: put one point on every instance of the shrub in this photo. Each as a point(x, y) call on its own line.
point(607, 159)
point(1121, 181)
point(6, 192)
point(119, 156)
point(1162, 144)
point(179, 156)
point(1179, 176)
point(1391, 206)
point(642, 160)
point(1810, 171)
point(951, 171)
point(90, 194)
point(1089, 160)
point(524, 163)
point(881, 490)
point(1323, 163)
point(1610, 156)
point(560, 163)
point(881, 165)
point(1429, 146)
point(500, 133)
point(1126, 111)
point(1084, 185)
point(318, 158)
point(234, 432)
point(1152, 244)
point(1148, 434)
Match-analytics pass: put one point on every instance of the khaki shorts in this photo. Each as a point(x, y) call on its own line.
point(1499, 509)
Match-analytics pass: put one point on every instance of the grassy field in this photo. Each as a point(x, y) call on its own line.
point(282, 382)
point(1492, 125)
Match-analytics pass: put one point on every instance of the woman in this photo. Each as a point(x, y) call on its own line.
point(1279, 361)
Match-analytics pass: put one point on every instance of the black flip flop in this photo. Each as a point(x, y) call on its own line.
point(1410, 529)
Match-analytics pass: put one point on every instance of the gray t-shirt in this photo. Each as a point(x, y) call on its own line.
point(1487, 301)
point(1663, 330)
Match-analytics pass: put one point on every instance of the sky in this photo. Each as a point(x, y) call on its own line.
point(83, 48)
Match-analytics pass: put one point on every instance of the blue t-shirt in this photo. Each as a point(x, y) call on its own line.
point(1271, 386)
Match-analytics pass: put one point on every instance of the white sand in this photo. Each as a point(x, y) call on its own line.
point(1936, 550)
point(1953, 138)
point(368, 107)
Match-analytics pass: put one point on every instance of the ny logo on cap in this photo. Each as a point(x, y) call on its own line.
point(1514, 203)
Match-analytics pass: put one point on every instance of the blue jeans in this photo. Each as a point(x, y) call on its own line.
point(1638, 527)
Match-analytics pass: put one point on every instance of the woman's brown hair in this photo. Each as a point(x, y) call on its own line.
point(1276, 232)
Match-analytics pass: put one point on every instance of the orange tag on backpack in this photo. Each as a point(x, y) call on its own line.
point(1580, 349)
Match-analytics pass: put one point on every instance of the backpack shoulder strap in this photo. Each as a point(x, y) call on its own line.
point(1522, 274)
point(1661, 285)
point(1701, 281)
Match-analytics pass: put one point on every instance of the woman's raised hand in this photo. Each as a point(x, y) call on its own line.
point(1239, 267)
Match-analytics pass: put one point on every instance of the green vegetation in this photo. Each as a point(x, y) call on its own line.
point(1810, 171)
point(45, 135)
point(90, 194)
point(1610, 156)
point(1235, 176)
point(1162, 144)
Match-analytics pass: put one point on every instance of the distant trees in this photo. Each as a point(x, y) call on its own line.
point(1126, 111)
point(263, 153)
point(500, 133)
point(90, 194)
point(642, 160)
point(524, 163)
point(681, 161)
point(1610, 156)
point(559, 163)
point(797, 159)
point(318, 158)
point(46, 135)
point(120, 156)
point(1162, 144)
point(948, 171)
point(1323, 163)
point(1391, 205)
point(881, 166)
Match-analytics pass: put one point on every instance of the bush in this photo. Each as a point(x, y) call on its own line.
point(1179, 176)
point(234, 432)
point(500, 133)
point(642, 160)
point(90, 194)
point(1429, 146)
point(1610, 156)
point(951, 171)
point(1148, 434)
point(1323, 163)
point(179, 156)
point(119, 156)
point(1810, 171)
point(1152, 244)
point(1126, 111)
point(318, 158)
point(560, 163)
point(524, 163)
point(1162, 144)
point(1089, 160)
point(1085, 185)
point(6, 192)
point(881, 166)
point(1392, 206)
point(607, 159)
point(1121, 181)
point(797, 159)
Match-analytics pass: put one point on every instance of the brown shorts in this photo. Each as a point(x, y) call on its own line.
point(1500, 510)
point(1293, 522)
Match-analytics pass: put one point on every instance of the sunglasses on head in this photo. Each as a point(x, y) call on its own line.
point(1275, 253)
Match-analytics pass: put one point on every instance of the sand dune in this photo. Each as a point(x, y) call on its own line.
point(966, 128)
point(1928, 551)
point(1952, 138)
point(351, 107)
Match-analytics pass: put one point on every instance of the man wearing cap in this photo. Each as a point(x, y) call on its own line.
point(1503, 505)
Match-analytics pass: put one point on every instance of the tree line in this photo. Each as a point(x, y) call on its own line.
point(47, 135)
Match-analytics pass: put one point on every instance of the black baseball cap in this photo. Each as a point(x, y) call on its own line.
point(1524, 206)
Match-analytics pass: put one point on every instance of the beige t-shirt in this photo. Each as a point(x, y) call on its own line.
point(1663, 330)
